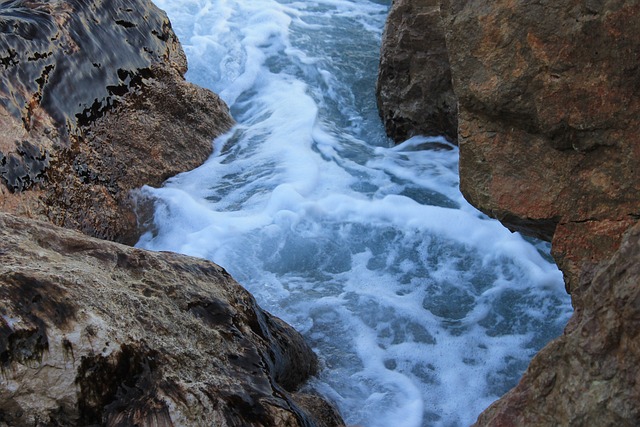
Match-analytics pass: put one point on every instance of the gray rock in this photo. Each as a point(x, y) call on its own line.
point(97, 333)
point(414, 91)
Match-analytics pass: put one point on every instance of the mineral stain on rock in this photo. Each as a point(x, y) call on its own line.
point(23, 333)
point(24, 346)
point(120, 390)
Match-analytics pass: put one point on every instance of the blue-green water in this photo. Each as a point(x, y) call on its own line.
point(422, 310)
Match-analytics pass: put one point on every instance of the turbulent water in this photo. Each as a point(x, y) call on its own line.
point(422, 310)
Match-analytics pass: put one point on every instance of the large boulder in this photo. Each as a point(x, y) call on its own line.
point(414, 91)
point(549, 118)
point(98, 333)
point(93, 104)
point(549, 113)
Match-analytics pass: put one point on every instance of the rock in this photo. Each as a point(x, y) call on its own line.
point(93, 104)
point(548, 123)
point(588, 376)
point(414, 91)
point(97, 333)
point(549, 115)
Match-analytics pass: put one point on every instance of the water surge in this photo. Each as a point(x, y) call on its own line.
point(422, 310)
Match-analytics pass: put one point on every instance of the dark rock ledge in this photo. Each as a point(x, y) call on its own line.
point(93, 104)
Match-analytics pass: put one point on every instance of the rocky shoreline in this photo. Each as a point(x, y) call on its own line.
point(547, 111)
point(93, 104)
point(542, 100)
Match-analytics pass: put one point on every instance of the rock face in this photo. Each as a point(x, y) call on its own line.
point(549, 111)
point(414, 91)
point(93, 103)
point(548, 130)
point(97, 333)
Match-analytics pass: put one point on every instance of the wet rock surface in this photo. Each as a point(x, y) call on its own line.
point(93, 104)
point(548, 111)
point(97, 333)
point(414, 91)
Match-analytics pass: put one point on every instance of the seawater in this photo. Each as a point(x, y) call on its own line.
point(422, 310)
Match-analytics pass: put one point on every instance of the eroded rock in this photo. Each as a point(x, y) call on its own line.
point(548, 123)
point(414, 91)
point(93, 104)
point(97, 333)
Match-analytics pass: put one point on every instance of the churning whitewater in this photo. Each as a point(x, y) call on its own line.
point(422, 310)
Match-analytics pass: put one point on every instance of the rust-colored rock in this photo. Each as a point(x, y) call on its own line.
point(414, 91)
point(549, 118)
point(549, 107)
point(93, 104)
point(98, 333)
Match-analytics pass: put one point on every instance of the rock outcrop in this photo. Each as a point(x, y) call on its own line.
point(549, 102)
point(549, 117)
point(98, 333)
point(414, 91)
point(93, 103)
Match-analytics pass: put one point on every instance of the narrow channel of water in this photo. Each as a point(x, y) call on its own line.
point(421, 309)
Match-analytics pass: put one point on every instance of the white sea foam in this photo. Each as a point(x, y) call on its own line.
point(422, 310)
